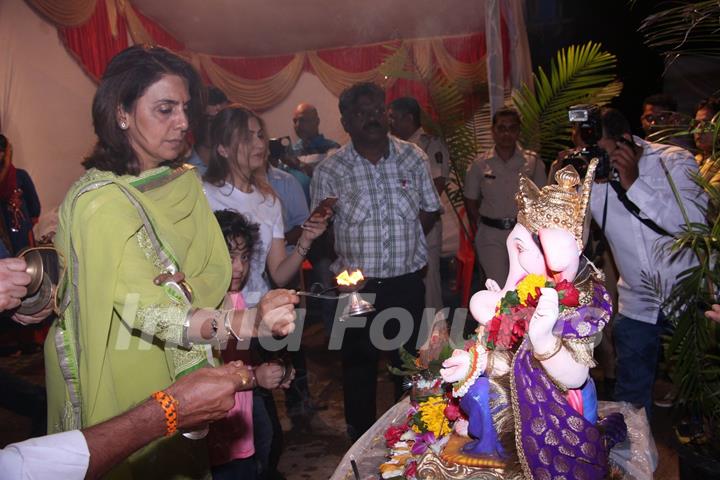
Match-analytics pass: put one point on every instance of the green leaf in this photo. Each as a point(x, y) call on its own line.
point(687, 29)
point(401, 372)
point(446, 352)
point(406, 357)
point(512, 298)
point(578, 74)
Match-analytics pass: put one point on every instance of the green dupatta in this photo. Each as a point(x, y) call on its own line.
point(99, 361)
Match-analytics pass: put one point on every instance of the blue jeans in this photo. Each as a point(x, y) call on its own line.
point(637, 346)
point(267, 433)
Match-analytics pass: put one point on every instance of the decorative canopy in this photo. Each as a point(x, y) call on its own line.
point(95, 30)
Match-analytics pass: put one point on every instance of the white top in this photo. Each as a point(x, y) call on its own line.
point(62, 455)
point(438, 156)
point(639, 252)
point(265, 211)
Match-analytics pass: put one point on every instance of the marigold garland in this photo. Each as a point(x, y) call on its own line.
point(432, 414)
point(528, 287)
point(513, 312)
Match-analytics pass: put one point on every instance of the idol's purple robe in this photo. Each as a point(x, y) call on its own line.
point(552, 439)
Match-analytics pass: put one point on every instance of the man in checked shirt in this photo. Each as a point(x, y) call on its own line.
point(386, 203)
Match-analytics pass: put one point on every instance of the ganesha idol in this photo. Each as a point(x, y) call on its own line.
point(524, 385)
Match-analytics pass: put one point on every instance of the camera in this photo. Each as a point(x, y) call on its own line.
point(278, 147)
point(587, 121)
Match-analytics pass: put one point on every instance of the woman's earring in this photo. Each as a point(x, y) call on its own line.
point(123, 125)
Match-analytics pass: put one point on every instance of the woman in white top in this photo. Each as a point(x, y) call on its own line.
point(236, 179)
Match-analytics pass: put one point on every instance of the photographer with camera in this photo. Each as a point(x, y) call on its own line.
point(634, 205)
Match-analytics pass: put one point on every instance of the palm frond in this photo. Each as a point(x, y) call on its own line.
point(481, 125)
point(458, 132)
point(578, 74)
point(692, 348)
point(688, 29)
point(652, 288)
point(397, 64)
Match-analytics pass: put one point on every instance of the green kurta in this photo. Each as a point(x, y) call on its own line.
point(116, 342)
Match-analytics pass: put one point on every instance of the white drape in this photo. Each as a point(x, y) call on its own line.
point(494, 57)
point(499, 87)
point(519, 47)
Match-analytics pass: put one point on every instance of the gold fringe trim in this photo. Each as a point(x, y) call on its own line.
point(516, 416)
point(581, 350)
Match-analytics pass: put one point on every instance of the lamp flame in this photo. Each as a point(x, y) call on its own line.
point(349, 279)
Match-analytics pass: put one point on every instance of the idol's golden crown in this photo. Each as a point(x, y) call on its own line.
point(556, 206)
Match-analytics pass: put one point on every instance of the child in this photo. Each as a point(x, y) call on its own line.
point(231, 442)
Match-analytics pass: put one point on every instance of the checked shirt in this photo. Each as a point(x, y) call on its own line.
point(376, 224)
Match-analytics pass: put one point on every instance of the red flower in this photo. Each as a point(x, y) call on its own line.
point(568, 294)
point(500, 332)
point(505, 331)
point(410, 470)
point(493, 328)
point(452, 411)
point(532, 301)
point(393, 434)
point(505, 336)
point(518, 329)
point(521, 320)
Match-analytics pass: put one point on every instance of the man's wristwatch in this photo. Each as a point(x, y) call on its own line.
point(249, 381)
point(218, 331)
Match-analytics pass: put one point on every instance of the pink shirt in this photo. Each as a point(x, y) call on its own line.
point(232, 437)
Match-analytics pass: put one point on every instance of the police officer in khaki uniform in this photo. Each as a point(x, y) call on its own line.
point(490, 187)
point(404, 122)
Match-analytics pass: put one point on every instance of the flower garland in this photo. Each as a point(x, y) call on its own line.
point(513, 312)
point(426, 427)
point(461, 387)
point(431, 418)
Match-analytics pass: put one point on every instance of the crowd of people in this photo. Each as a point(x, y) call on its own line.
point(181, 259)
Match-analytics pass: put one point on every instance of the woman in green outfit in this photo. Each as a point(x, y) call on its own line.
point(146, 264)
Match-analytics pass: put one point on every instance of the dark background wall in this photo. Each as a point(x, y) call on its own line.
point(554, 24)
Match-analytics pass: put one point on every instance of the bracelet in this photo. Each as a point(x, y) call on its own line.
point(548, 355)
point(186, 326)
point(249, 380)
point(228, 325)
point(219, 335)
point(187, 290)
point(169, 406)
point(302, 251)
